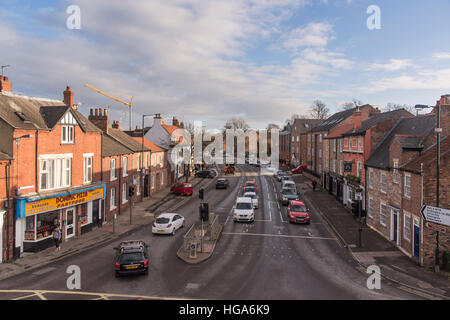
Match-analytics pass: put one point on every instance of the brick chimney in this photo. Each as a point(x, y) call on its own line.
point(157, 120)
point(99, 117)
point(115, 124)
point(357, 119)
point(68, 97)
point(182, 125)
point(444, 114)
point(375, 111)
point(5, 85)
point(175, 122)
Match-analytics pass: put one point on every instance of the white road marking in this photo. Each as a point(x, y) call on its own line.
point(276, 235)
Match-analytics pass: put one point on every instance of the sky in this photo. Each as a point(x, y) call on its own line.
point(212, 60)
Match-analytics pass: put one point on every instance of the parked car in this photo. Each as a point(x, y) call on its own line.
point(243, 210)
point(222, 183)
point(287, 195)
point(298, 212)
point(205, 174)
point(251, 183)
point(214, 172)
point(299, 169)
point(167, 223)
point(182, 188)
point(254, 198)
point(131, 257)
point(281, 174)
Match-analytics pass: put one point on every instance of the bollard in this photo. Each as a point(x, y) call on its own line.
point(193, 250)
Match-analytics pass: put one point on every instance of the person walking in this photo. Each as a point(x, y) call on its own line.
point(57, 237)
point(314, 184)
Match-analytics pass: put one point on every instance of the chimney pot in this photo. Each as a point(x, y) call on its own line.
point(5, 85)
point(68, 97)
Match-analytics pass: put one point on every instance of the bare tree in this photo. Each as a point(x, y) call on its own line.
point(236, 123)
point(351, 104)
point(319, 110)
point(395, 106)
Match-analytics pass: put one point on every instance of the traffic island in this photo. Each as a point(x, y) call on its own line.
point(195, 249)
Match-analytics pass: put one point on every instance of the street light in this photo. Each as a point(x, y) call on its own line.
point(438, 131)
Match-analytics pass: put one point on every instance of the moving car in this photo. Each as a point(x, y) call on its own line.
point(281, 174)
point(131, 258)
point(222, 183)
point(205, 174)
point(251, 184)
point(183, 188)
point(287, 195)
point(298, 212)
point(288, 184)
point(243, 210)
point(254, 198)
point(286, 177)
point(167, 223)
point(249, 189)
point(299, 169)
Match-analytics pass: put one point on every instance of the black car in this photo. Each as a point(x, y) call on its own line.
point(222, 183)
point(205, 174)
point(287, 195)
point(131, 258)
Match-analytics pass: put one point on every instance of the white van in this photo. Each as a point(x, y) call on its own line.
point(243, 210)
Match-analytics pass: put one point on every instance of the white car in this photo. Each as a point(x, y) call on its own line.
point(288, 184)
point(167, 223)
point(254, 198)
point(243, 210)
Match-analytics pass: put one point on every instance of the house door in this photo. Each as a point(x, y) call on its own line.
point(95, 211)
point(70, 222)
point(416, 239)
point(146, 185)
point(394, 225)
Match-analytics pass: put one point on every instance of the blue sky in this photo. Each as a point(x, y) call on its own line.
point(210, 60)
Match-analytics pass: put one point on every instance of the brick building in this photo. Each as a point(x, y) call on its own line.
point(6, 242)
point(55, 174)
point(300, 127)
point(285, 145)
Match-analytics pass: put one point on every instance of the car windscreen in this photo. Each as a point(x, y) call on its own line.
point(250, 189)
point(188, 185)
point(162, 220)
point(130, 257)
point(298, 208)
point(287, 192)
point(243, 205)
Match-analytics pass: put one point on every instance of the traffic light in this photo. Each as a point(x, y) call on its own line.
point(204, 212)
point(131, 190)
point(200, 193)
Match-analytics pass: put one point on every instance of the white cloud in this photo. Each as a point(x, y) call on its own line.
point(315, 34)
point(441, 55)
point(392, 65)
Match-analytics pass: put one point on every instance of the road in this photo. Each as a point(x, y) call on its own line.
point(266, 259)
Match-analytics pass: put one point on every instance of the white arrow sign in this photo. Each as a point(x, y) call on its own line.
point(436, 215)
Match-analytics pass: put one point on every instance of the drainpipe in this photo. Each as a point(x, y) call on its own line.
point(7, 171)
point(421, 218)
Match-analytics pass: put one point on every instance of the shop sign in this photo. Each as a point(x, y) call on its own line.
point(348, 166)
point(67, 200)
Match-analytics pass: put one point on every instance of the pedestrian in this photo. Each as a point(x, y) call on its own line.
point(57, 237)
point(314, 184)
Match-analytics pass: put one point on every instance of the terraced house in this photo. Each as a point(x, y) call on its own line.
point(54, 173)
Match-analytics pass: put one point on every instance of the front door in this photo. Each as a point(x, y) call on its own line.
point(95, 210)
point(416, 239)
point(70, 222)
point(146, 185)
point(394, 225)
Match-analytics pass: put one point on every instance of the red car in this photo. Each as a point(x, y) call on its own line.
point(299, 169)
point(182, 188)
point(251, 184)
point(298, 212)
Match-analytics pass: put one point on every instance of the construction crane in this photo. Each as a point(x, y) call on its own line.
point(114, 98)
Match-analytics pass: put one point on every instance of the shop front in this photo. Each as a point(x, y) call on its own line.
point(73, 211)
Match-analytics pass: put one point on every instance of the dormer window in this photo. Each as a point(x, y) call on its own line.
point(67, 134)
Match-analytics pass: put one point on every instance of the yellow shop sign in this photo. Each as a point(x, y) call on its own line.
point(67, 200)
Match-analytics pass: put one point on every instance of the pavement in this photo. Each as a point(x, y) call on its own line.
point(375, 250)
point(143, 214)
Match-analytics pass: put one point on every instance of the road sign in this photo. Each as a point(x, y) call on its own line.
point(436, 215)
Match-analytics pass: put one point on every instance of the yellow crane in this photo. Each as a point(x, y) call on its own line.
point(114, 98)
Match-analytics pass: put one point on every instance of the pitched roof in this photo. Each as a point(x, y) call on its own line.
point(418, 127)
point(335, 119)
point(23, 112)
point(374, 120)
point(428, 157)
point(337, 132)
point(125, 140)
point(111, 147)
point(170, 129)
point(150, 145)
point(5, 156)
point(306, 125)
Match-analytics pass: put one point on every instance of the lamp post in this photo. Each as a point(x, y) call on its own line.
point(438, 131)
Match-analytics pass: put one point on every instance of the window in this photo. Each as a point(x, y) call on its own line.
point(350, 143)
point(327, 145)
point(320, 153)
point(334, 165)
point(138, 162)
point(359, 167)
point(67, 134)
point(113, 169)
point(146, 161)
point(341, 145)
point(383, 214)
point(87, 169)
point(153, 182)
point(408, 186)
point(370, 208)
point(320, 168)
point(320, 138)
point(383, 183)
point(407, 227)
point(112, 203)
point(124, 193)
point(395, 175)
point(341, 167)
point(359, 143)
point(162, 177)
point(334, 145)
point(138, 185)
point(297, 138)
point(370, 177)
point(293, 139)
point(55, 173)
point(124, 167)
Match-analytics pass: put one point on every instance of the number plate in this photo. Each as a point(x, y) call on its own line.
point(132, 267)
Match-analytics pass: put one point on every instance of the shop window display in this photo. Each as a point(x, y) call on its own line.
point(29, 228)
point(83, 215)
point(45, 222)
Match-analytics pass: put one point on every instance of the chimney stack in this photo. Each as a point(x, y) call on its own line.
point(157, 120)
point(99, 119)
point(175, 122)
point(444, 114)
point(376, 111)
point(5, 85)
point(357, 119)
point(68, 97)
point(115, 124)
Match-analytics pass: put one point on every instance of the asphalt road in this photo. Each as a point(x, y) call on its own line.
point(266, 259)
